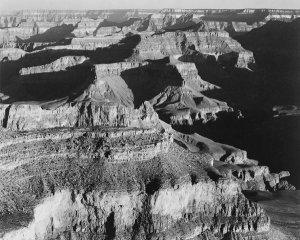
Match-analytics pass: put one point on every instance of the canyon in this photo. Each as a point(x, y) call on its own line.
point(149, 124)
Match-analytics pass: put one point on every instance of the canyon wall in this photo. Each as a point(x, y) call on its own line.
point(89, 101)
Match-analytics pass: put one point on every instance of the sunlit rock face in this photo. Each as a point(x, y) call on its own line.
point(89, 104)
point(120, 183)
point(86, 27)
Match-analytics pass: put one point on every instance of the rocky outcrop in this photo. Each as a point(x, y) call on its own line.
point(11, 34)
point(10, 54)
point(107, 31)
point(260, 178)
point(181, 106)
point(231, 162)
point(134, 202)
point(24, 24)
point(210, 43)
point(9, 19)
point(23, 117)
point(218, 44)
point(120, 214)
point(92, 43)
point(86, 27)
point(160, 46)
point(58, 65)
point(160, 21)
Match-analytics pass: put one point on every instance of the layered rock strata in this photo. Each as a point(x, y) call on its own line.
point(118, 183)
point(85, 152)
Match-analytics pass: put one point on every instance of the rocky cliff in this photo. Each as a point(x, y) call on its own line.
point(118, 183)
point(89, 104)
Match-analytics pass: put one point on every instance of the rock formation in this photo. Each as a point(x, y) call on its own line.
point(137, 171)
point(89, 104)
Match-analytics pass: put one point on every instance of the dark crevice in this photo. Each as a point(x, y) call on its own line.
point(225, 156)
point(73, 196)
point(110, 228)
point(6, 116)
point(213, 176)
point(194, 179)
point(136, 228)
point(153, 186)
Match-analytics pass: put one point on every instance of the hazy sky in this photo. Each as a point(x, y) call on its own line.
point(117, 4)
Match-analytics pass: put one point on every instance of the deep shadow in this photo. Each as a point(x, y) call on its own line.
point(9, 70)
point(114, 53)
point(275, 45)
point(53, 34)
point(107, 23)
point(228, 60)
point(153, 186)
point(110, 228)
point(5, 119)
point(187, 26)
point(136, 228)
point(239, 87)
point(213, 176)
point(148, 81)
point(50, 85)
point(15, 221)
point(272, 141)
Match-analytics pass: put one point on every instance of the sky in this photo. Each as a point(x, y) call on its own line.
point(135, 4)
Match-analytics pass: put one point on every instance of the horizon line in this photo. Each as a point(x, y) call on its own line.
point(54, 9)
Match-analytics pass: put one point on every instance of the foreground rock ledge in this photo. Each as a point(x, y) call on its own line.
point(132, 180)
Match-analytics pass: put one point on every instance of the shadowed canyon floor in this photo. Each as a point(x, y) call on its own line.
point(149, 124)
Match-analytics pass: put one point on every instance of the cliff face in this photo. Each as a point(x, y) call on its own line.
point(117, 215)
point(24, 24)
point(58, 65)
point(86, 27)
point(218, 44)
point(11, 54)
point(103, 178)
point(86, 149)
point(92, 43)
point(119, 183)
point(26, 117)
